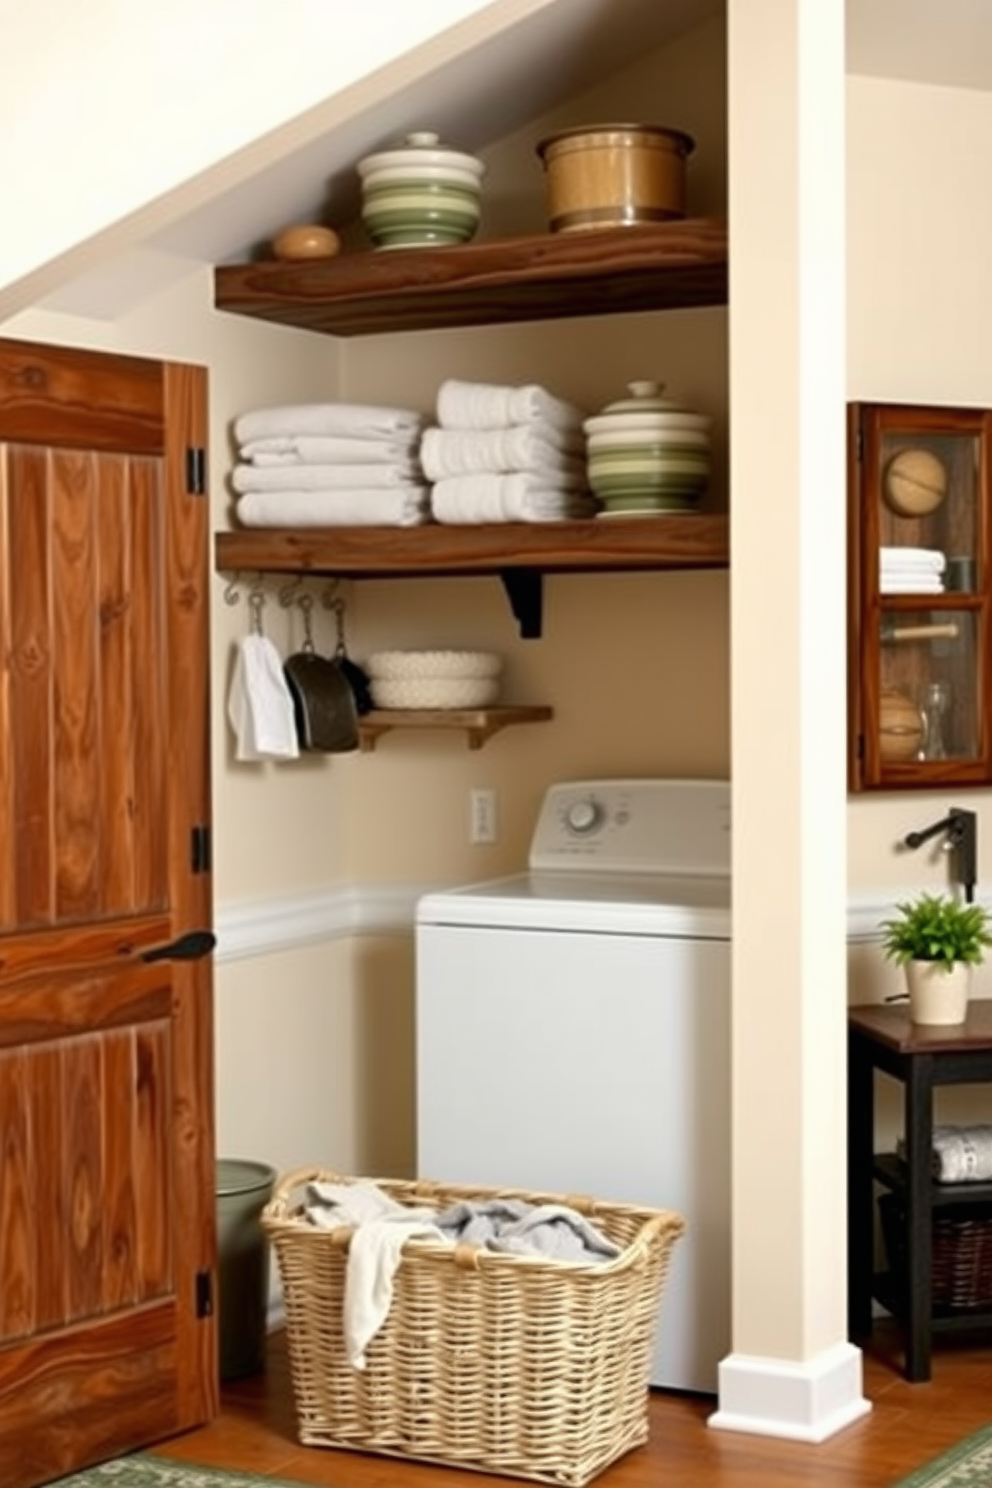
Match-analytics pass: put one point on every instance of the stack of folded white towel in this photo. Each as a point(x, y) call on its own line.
point(505, 454)
point(330, 465)
point(911, 570)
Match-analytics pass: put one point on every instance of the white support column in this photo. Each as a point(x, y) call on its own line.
point(792, 1372)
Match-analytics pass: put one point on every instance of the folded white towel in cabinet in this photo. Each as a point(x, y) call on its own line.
point(326, 418)
point(324, 477)
point(482, 405)
point(447, 452)
point(402, 507)
point(329, 449)
point(519, 497)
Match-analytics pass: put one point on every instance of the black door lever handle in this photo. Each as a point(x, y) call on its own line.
point(188, 947)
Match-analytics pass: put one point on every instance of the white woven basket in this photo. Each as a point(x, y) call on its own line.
point(434, 692)
point(402, 666)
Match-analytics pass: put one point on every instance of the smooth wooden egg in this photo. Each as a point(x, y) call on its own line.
point(915, 483)
point(306, 240)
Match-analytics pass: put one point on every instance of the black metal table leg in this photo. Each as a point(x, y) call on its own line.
point(860, 1196)
point(919, 1223)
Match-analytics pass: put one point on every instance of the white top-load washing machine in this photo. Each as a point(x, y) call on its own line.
point(573, 1030)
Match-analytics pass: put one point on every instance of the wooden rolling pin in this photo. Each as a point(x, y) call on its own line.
point(947, 631)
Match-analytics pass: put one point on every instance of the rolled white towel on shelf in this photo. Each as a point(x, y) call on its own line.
point(352, 419)
point(407, 506)
point(961, 1154)
point(518, 497)
point(330, 449)
point(447, 452)
point(485, 405)
point(324, 477)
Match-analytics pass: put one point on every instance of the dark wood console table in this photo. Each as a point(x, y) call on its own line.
point(883, 1038)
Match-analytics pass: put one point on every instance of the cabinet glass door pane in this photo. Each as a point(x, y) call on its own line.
point(928, 512)
point(929, 692)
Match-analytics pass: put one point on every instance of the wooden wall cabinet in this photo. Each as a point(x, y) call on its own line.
point(919, 597)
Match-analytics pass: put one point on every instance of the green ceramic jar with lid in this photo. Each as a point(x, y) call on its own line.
point(420, 194)
point(647, 453)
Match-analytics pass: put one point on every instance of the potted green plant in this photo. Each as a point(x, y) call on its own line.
point(938, 939)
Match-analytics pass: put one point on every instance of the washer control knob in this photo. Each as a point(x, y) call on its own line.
point(583, 817)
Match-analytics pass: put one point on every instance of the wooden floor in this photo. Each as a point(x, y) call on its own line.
point(908, 1425)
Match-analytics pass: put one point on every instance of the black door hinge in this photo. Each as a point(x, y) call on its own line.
point(201, 849)
point(196, 472)
point(204, 1294)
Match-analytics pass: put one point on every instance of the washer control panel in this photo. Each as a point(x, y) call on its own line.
point(635, 826)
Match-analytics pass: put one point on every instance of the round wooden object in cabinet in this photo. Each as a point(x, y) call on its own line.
point(901, 727)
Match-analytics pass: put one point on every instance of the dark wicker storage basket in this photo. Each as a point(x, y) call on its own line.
point(962, 1253)
point(511, 1364)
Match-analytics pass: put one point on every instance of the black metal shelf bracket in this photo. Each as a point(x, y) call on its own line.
point(525, 591)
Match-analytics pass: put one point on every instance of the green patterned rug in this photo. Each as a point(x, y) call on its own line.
point(967, 1465)
point(145, 1470)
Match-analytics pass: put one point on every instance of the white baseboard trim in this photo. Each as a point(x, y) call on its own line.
point(807, 1401)
point(264, 927)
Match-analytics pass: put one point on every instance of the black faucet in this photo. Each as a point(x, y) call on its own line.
point(960, 828)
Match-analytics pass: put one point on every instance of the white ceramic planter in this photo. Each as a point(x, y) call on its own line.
point(937, 996)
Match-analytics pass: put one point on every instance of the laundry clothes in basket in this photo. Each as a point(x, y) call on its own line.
point(506, 1363)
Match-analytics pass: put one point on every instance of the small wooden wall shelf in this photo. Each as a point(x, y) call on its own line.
point(480, 724)
point(661, 266)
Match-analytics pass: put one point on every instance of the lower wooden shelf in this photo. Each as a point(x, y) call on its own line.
point(479, 724)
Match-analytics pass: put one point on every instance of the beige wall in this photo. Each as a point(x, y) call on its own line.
point(919, 321)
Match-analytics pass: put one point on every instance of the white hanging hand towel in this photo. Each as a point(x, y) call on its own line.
point(260, 706)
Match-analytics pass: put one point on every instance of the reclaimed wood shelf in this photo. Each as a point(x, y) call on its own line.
point(661, 266)
point(518, 553)
point(480, 724)
point(658, 266)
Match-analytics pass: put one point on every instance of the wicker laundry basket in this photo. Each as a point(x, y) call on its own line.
point(510, 1364)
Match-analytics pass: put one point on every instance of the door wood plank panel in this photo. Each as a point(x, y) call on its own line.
point(76, 741)
point(18, 1281)
point(30, 686)
point(49, 1187)
point(89, 1413)
point(150, 646)
point(83, 1097)
point(70, 398)
point(116, 687)
point(65, 1006)
point(8, 840)
point(80, 946)
point(120, 1283)
point(189, 763)
point(150, 1161)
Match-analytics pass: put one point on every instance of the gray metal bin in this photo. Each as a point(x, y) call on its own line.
point(243, 1190)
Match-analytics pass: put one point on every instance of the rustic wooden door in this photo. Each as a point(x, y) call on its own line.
point(107, 1209)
